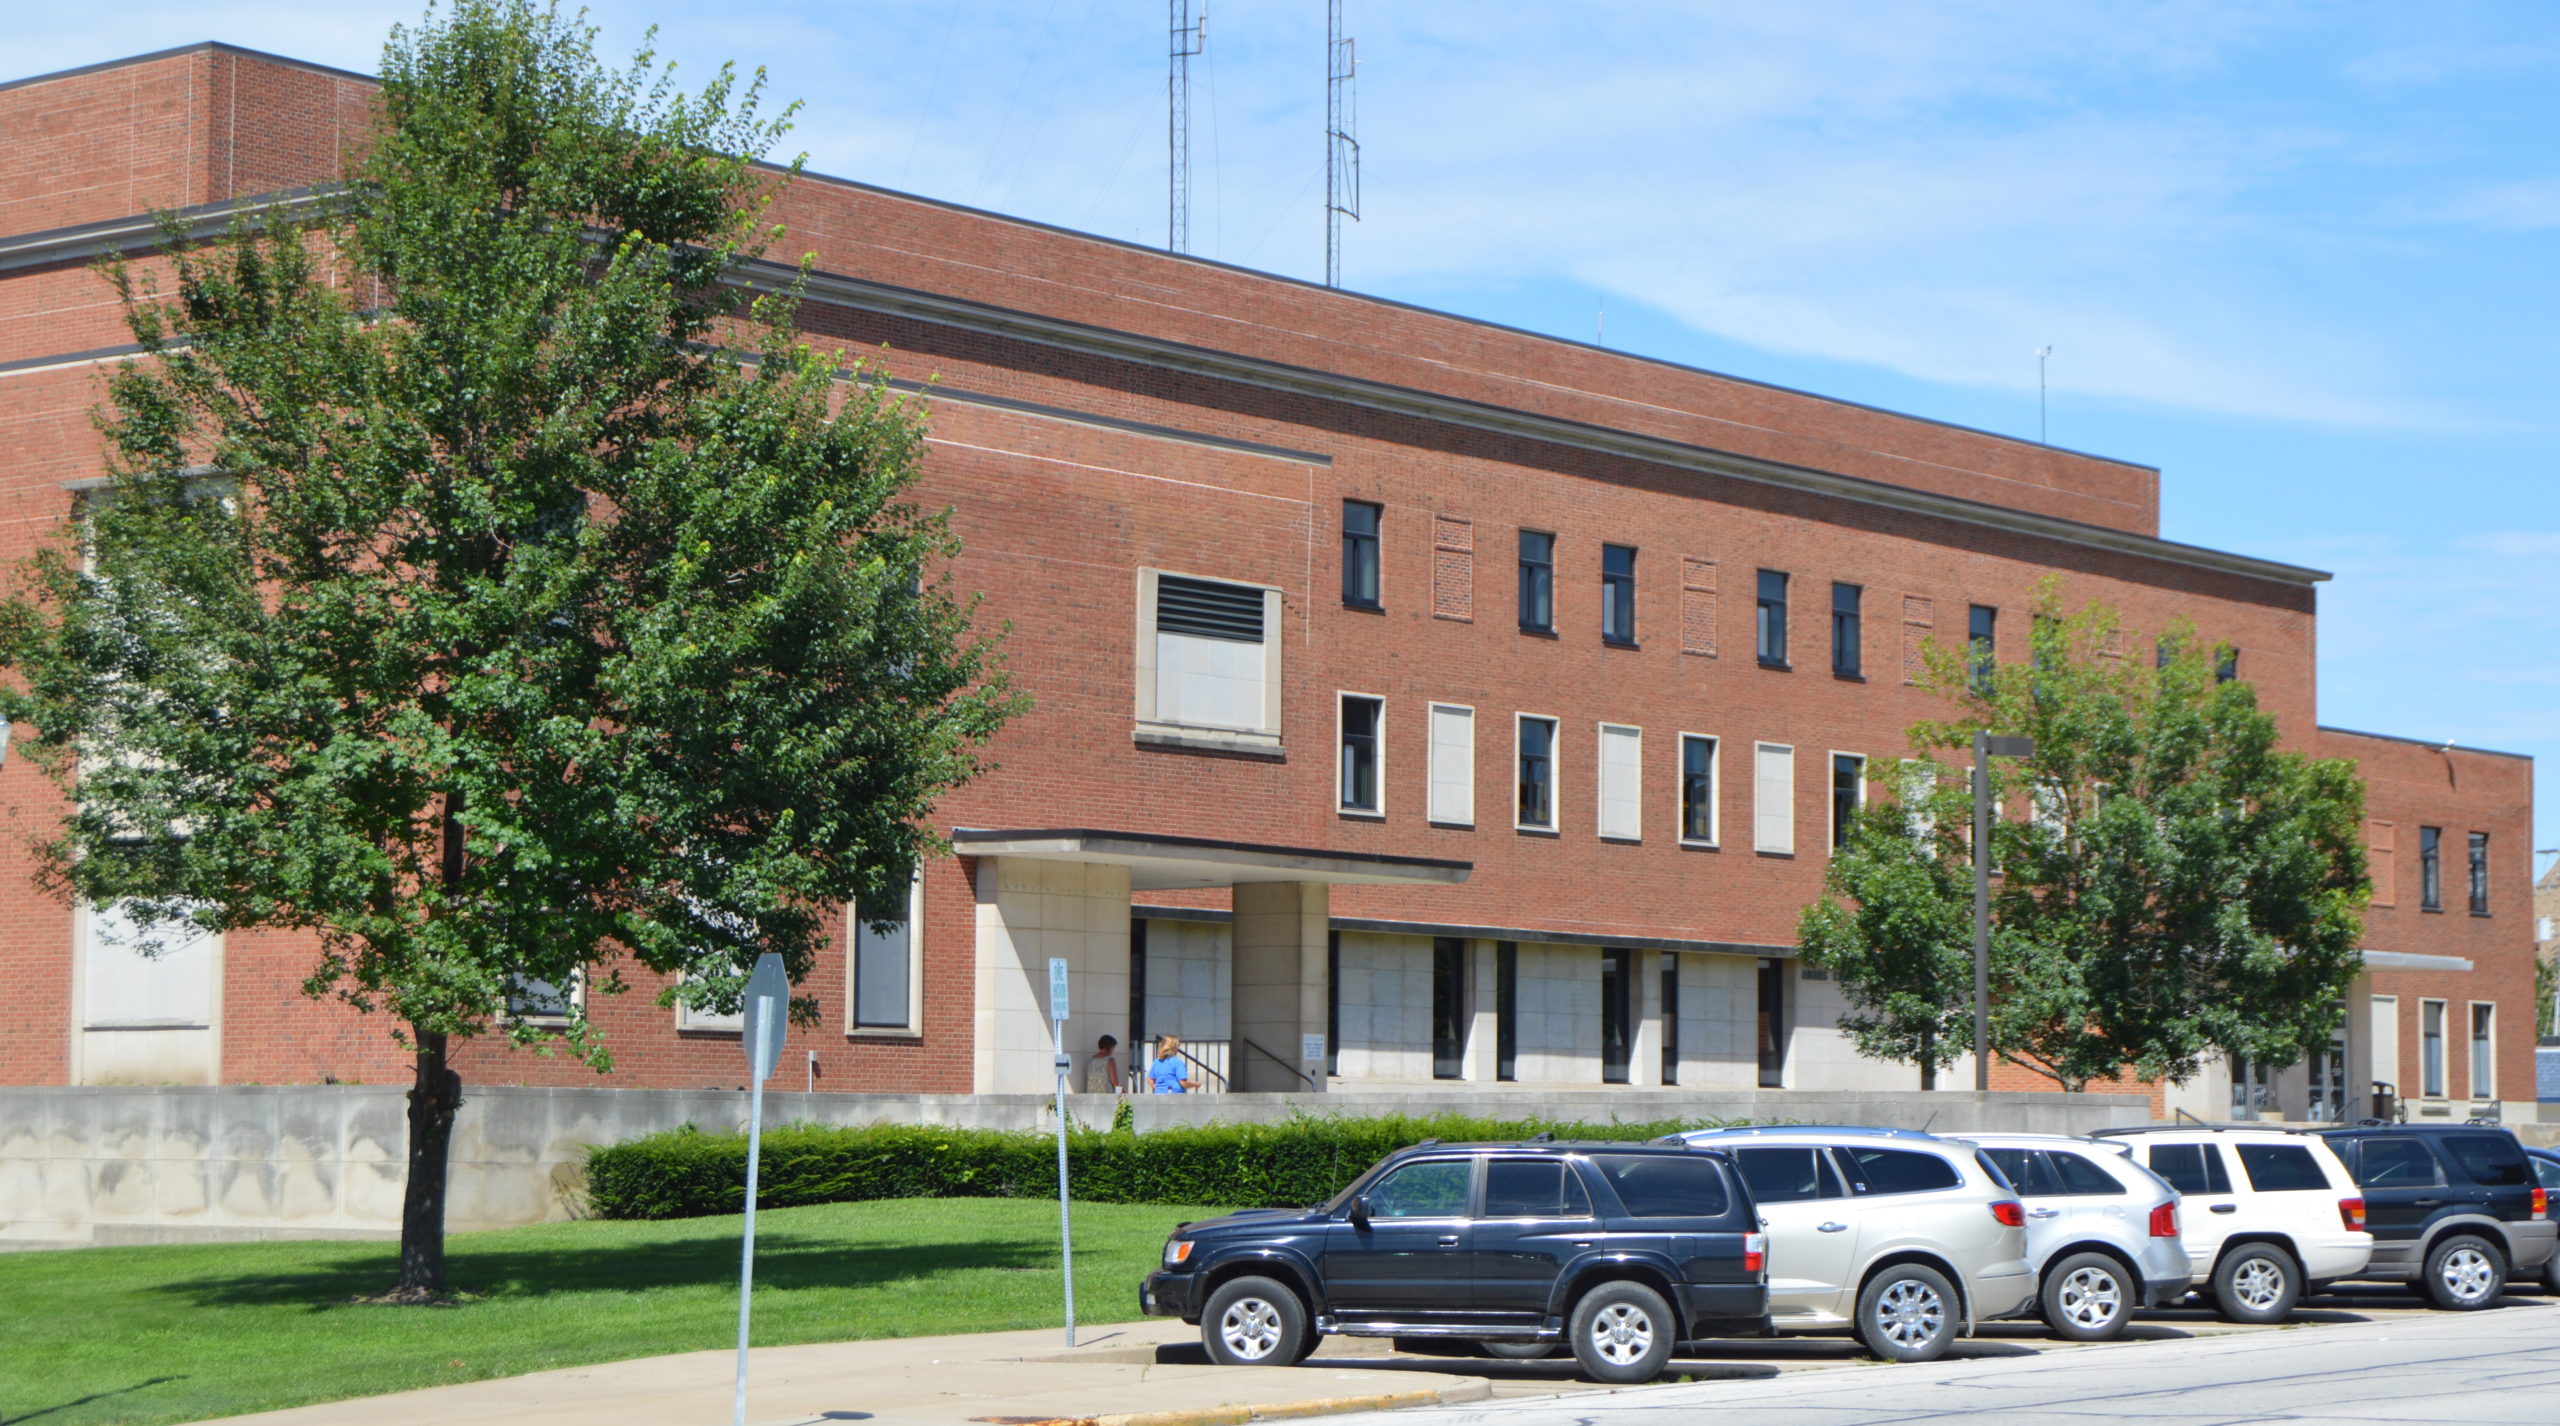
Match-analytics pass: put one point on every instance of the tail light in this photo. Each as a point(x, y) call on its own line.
point(2010, 1212)
point(2541, 1202)
point(2351, 1213)
point(2164, 1221)
point(1755, 1252)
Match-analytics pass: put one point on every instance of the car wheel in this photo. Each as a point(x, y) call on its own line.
point(2464, 1274)
point(1519, 1351)
point(1622, 1332)
point(1254, 1322)
point(2551, 1275)
point(1907, 1314)
point(2256, 1283)
point(2088, 1297)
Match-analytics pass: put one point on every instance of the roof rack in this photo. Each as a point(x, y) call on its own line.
point(2201, 1126)
point(1819, 1129)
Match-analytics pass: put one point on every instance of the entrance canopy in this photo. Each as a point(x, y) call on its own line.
point(1167, 863)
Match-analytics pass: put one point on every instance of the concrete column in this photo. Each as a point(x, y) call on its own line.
point(1483, 1029)
point(2360, 1074)
point(1644, 1046)
point(1280, 987)
point(1029, 911)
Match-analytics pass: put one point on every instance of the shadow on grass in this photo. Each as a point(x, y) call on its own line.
point(85, 1400)
point(784, 1261)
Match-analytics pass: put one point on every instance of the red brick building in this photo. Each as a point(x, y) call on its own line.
point(1416, 698)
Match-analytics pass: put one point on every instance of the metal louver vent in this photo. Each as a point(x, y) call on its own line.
point(1206, 608)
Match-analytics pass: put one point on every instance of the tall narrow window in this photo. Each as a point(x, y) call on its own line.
point(1360, 554)
point(1617, 1012)
point(1621, 783)
point(2431, 1048)
point(884, 969)
point(1537, 775)
point(1982, 643)
point(1698, 789)
point(1845, 638)
point(1670, 1018)
point(1773, 798)
point(1773, 1024)
point(2479, 873)
point(1137, 989)
point(1773, 619)
point(1618, 593)
point(1453, 765)
point(2227, 667)
point(1848, 793)
point(2431, 868)
point(1333, 1002)
point(2484, 1050)
point(1506, 1010)
point(1362, 720)
point(1537, 582)
point(1448, 1008)
point(2164, 651)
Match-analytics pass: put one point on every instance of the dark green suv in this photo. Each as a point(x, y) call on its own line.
point(2454, 1209)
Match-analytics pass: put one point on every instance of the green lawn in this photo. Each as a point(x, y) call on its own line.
point(97, 1335)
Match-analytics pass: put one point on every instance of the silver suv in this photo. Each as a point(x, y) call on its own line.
point(1905, 1238)
point(2102, 1230)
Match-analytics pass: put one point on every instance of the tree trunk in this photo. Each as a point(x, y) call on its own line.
point(432, 1102)
point(1928, 1058)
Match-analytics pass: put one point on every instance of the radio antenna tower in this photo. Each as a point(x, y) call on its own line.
point(1188, 38)
point(1341, 147)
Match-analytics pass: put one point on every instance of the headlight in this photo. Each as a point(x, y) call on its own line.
point(1177, 1251)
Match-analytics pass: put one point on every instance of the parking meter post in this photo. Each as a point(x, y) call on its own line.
point(763, 1011)
point(1066, 1231)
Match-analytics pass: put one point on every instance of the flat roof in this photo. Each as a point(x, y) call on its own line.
point(2422, 742)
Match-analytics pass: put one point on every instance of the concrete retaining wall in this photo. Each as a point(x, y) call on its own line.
point(126, 1165)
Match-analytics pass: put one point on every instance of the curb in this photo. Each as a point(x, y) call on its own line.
point(1475, 1389)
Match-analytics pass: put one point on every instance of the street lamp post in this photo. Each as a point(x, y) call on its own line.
point(1985, 748)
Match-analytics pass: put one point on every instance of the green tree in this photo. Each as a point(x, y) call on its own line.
point(2173, 884)
point(1896, 927)
point(491, 586)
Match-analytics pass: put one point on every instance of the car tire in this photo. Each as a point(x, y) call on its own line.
point(1519, 1351)
point(1254, 1322)
point(2551, 1275)
point(2464, 1273)
point(2256, 1283)
point(1622, 1333)
point(1908, 1313)
point(2089, 1297)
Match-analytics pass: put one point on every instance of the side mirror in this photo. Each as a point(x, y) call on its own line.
point(1360, 1211)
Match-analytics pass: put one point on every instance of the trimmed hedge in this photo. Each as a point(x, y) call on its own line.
point(686, 1173)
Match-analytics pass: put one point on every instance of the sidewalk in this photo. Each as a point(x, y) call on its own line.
point(1111, 1378)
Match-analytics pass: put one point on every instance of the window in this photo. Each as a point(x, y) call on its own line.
point(2027, 1171)
point(2253, 1093)
point(1360, 554)
point(1506, 1010)
point(2281, 1168)
point(2431, 1048)
point(2490, 1160)
point(1697, 789)
point(1618, 594)
point(2430, 868)
point(1773, 799)
point(2044, 644)
point(1621, 783)
point(1666, 1185)
point(1788, 1175)
point(2227, 667)
point(1363, 722)
point(2081, 1178)
point(2484, 1050)
point(2164, 651)
point(884, 980)
point(1773, 1024)
point(1845, 638)
point(1533, 1188)
point(1537, 777)
point(1434, 1188)
point(1448, 1008)
point(137, 975)
point(1982, 642)
point(1333, 1002)
point(2479, 873)
point(1848, 794)
point(1206, 660)
point(2396, 1163)
point(530, 999)
point(1537, 582)
point(1453, 765)
point(2191, 1168)
point(1880, 1171)
point(1670, 1018)
point(1773, 619)
point(1617, 1011)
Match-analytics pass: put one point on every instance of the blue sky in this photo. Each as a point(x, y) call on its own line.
point(2304, 257)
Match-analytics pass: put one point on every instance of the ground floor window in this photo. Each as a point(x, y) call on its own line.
point(1506, 1010)
point(2431, 1048)
point(1448, 1008)
point(1670, 1018)
point(1617, 1018)
point(2484, 1050)
point(1333, 1002)
point(1773, 1024)
point(2253, 1092)
point(884, 967)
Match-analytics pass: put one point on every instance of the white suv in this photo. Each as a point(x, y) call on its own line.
point(1905, 1238)
point(2102, 1230)
point(2268, 1215)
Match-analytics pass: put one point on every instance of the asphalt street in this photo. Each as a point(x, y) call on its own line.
point(2479, 1369)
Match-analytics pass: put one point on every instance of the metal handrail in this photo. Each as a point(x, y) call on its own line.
point(1275, 1059)
point(1202, 1066)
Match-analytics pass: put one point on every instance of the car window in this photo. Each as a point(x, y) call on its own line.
point(2083, 1178)
point(2395, 1163)
point(1786, 1175)
point(2281, 1168)
point(2492, 1160)
point(1874, 1171)
point(2025, 1170)
point(2191, 1168)
point(1533, 1188)
point(1434, 1188)
point(1666, 1186)
point(2548, 1172)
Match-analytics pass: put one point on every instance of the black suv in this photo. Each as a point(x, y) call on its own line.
point(1621, 1251)
point(2453, 1208)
